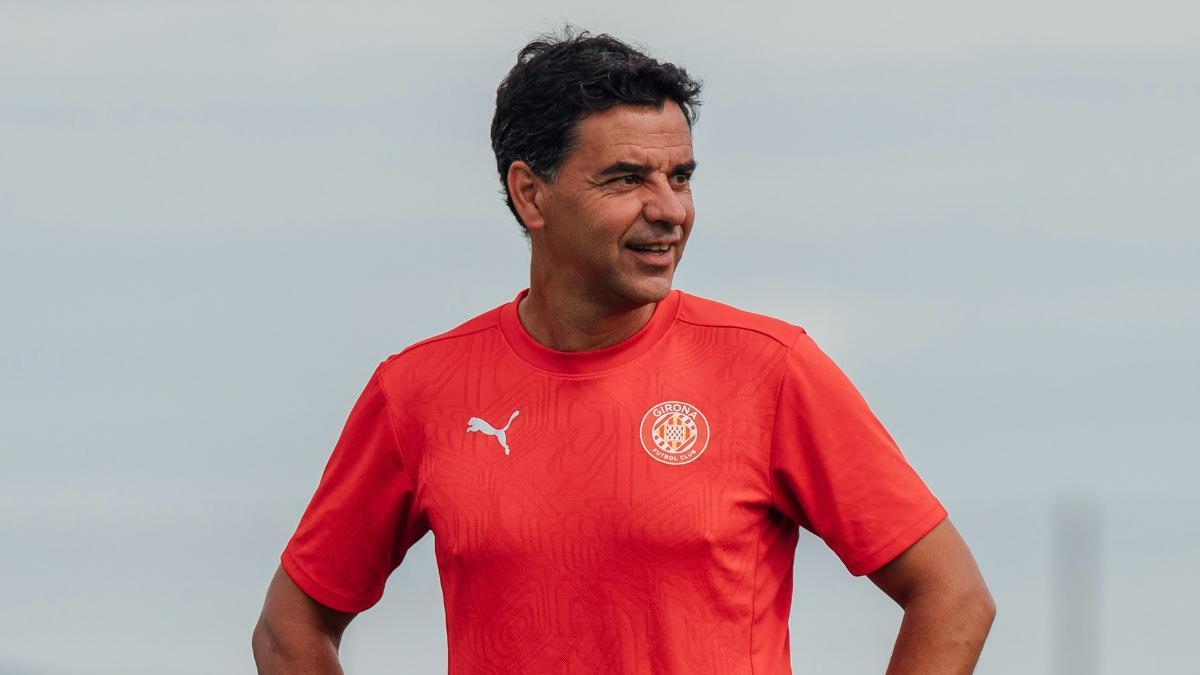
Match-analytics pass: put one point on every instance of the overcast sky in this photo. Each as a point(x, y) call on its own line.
point(217, 219)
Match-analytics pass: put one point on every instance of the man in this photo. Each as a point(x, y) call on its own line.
point(614, 471)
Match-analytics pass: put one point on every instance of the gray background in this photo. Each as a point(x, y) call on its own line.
point(218, 218)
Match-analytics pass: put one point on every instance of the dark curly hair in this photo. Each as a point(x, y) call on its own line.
point(557, 80)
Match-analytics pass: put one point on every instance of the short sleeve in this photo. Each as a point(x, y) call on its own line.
point(837, 472)
point(363, 517)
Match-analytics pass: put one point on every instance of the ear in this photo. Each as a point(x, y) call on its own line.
point(527, 192)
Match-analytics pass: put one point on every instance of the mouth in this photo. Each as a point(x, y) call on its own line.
point(653, 253)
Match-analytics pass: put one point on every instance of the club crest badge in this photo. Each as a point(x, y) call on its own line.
point(674, 432)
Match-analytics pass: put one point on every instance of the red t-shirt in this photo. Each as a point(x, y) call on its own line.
point(632, 509)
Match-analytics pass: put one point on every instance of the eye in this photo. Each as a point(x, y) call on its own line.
point(682, 178)
point(629, 179)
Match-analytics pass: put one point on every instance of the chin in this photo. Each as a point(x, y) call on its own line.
point(645, 291)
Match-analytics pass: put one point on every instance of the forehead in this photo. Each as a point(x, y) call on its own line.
point(632, 132)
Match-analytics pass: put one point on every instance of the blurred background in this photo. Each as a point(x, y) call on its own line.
point(217, 218)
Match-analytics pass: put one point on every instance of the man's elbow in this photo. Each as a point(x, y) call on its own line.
point(977, 607)
point(275, 651)
point(963, 607)
point(989, 607)
point(263, 643)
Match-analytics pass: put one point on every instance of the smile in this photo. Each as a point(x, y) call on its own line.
point(653, 254)
point(654, 248)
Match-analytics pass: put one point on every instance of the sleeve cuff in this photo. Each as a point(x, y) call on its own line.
point(909, 536)
point(322, 593)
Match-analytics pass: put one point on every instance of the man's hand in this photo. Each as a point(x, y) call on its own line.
point(948, 610)
point(295, 634)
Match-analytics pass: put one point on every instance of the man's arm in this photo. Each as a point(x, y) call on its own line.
point(295, 634)
point(948, 610)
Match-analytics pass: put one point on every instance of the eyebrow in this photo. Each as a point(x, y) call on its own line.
point(621, 168)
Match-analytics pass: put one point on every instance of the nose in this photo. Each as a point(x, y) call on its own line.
point(665, 205)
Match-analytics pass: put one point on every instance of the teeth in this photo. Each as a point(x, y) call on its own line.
point(660, 248)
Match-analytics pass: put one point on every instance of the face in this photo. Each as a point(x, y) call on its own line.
point(616, 219)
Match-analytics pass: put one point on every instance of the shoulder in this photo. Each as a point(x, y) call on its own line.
point(433, 348)
point(703, 312)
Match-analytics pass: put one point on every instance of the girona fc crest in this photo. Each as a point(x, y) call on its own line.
point(674, 432)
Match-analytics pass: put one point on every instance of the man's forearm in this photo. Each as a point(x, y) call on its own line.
point(292, 653)
point(942, 636)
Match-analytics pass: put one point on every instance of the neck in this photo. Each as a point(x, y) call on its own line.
point(569, 322)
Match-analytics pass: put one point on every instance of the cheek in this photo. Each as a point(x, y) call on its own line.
point(686, 198)
point(691, 213)
point(611, 219)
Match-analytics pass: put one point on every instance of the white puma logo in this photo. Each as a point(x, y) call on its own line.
point(481, 425)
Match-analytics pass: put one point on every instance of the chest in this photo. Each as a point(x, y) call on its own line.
point(535, 469)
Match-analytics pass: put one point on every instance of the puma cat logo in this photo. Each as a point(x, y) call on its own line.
point(482, 426)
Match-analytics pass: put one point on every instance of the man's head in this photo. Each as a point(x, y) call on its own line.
point(593, 145)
